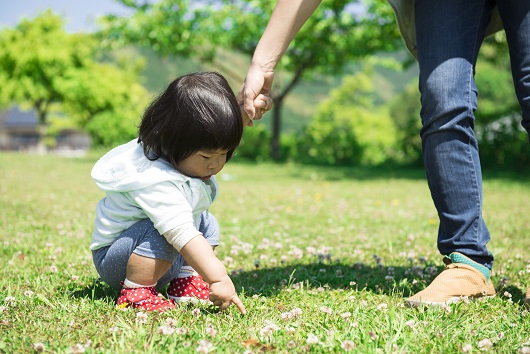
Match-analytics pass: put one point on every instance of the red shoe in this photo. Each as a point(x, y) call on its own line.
point(192, 288)
point(143, 298)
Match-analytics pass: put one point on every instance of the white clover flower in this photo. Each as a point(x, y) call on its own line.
point(467, 348)
point(382, 307)
point(78, 349)
point(485, 344)
point(166, 330)
point(268, 329)
point(211, 331)
point(312, 339)
point(345, 315)
point(327, 310)
point(204, 346)
point(181, 331)
point(142, 317)
point(347, 345)
point(39, 347)
point(290, 330)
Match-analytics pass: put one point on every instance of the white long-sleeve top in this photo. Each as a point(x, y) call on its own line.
point(137, 188)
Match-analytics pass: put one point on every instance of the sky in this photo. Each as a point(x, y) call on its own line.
point(79, 14)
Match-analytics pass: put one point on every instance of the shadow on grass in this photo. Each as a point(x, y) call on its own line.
point(96, 290)
point(360, 277)
point(331, 276)
point(270, 282)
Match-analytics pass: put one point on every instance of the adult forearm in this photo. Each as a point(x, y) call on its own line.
point(286, 20)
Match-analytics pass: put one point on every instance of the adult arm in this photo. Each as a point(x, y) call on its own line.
point(285, 22)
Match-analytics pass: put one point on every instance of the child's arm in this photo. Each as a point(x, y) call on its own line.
point(199, 254)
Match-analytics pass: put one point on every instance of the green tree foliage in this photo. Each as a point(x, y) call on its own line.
point(338, 33)
point(254, 144)
point(348, 127)
point(105, 100)
point(405, 113)
point(44, 67)
point(502, 140)
point(34, 56)
point(169, 27)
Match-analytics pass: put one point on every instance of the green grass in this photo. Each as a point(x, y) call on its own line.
point(371, 226)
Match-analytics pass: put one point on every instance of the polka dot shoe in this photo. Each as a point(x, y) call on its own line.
point(191, 288)
point(143, 298)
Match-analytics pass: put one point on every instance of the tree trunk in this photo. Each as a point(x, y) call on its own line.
point(276, 129)
point(42, 129)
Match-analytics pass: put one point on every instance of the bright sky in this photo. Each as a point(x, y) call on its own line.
point(79, 14)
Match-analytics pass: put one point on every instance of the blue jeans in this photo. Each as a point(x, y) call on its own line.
point(143, 239)
point(449, 34)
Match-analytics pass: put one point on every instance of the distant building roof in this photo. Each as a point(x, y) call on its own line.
point(16, 118)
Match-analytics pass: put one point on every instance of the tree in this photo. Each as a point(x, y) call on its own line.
point(105, 99)
point(349, 128)
point(34, 56)
point(44, 67)
point(338, 33)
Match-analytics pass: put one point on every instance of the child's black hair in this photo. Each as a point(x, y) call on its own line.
point(198, 111)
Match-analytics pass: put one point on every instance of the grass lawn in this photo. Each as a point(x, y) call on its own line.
point(321, 257)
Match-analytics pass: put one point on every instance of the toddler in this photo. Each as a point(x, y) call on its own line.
point(153, 227)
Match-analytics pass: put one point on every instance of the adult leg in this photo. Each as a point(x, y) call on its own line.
point(515, 16)
point(516, 20)
point(449, 34)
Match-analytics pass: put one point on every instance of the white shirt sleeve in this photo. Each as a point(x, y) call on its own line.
point(169, 210)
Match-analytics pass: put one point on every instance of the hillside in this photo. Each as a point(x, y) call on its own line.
point(300, 105)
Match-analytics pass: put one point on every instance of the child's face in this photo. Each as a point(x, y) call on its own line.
point(203, 164)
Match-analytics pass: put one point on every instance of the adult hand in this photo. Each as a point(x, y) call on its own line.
point(223, 294)
point(261, 105)
point(255, 92)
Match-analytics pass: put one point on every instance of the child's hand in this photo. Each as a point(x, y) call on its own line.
point(262, 104)
point(223, 293)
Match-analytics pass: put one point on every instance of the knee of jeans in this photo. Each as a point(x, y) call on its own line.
point(446, 89)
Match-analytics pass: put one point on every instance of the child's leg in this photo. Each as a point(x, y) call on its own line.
point(137, 259)
point(140, 253)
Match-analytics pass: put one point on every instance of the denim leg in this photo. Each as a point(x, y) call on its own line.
point(449, 34)
point(209, 228)
point(515, 16)
point(143, 239)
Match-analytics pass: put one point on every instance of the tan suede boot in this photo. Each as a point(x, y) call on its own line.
point(462, 278)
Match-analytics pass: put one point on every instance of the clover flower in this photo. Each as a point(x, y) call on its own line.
point(312, 339)
point(347, 345)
